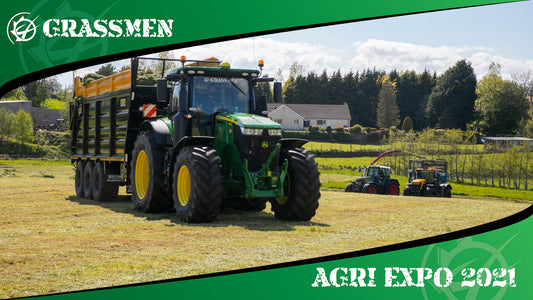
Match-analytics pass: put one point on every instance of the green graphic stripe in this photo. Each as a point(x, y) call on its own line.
point(190, 22)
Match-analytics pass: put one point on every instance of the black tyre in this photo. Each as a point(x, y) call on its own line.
point(408, 191)
point(350, 188)
point(197, 184)
point(103, 190)
point(78, 179)
point(87, 176)
point(432, 191)
point(370, 188)
point(447, 192)
point(149, 192)
point(301, 187)
point(393, 188)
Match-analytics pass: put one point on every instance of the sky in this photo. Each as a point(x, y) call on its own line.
point(435, 41)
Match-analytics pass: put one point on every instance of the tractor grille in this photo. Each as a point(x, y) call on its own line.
point(256, 148)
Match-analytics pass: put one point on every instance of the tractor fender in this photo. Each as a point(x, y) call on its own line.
point(444, 185)
point(292, 143)
point(160, 129)
point(189, 141)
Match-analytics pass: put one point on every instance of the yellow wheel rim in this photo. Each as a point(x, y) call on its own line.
point(286, 189)
point(142, 175)
point(184, 185)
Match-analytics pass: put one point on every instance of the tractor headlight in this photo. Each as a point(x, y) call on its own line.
point(251, 131)
point(274, 132)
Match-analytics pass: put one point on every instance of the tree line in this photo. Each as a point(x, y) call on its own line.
point(455, 99)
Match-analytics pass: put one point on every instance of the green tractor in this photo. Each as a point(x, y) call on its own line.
point(375, 180)
point(428, 178)
point(197, 140)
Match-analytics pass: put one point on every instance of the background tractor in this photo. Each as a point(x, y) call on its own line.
point(375, 180)
point(197, 139)
point(428, 178)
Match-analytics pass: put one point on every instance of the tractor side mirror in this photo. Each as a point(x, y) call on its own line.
point(261, 105)
point(278, 92)
point(162, 90)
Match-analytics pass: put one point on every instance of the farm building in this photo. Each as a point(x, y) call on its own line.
point(42, 117)
point(300, 116)
point(505, 142)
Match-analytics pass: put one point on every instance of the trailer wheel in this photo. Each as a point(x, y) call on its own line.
point(370, 188)
point(149, 192)
point(78, 178)
point(103, 190)
point(301, 187)
point(197, 184)
point(87, 176)
point(393, 188)
point(350, 188)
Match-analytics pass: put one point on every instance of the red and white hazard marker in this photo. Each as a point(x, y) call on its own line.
point(149, 110)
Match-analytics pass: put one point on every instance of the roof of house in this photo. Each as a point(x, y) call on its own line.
point(316, 111)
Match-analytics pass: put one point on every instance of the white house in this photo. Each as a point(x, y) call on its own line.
point(300, 116)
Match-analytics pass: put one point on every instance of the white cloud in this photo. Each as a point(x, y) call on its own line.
point(244, 53)
point(356, 56)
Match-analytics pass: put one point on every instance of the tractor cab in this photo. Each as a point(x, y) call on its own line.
point(376, 172)
point(428, 178)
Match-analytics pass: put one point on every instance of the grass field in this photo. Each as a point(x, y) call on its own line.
point(51, 241)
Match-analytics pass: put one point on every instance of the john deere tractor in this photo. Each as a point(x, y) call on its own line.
point(197, 139)
point(428, 178)
point(375, 180)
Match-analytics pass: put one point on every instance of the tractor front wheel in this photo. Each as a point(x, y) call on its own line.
point(350, 188)
point(197, 184)
point(409, 191)
point(301, 187)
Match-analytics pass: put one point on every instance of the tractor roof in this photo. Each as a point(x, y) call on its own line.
point(211, 66)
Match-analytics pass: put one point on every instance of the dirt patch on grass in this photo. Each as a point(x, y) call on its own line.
point(53, 242)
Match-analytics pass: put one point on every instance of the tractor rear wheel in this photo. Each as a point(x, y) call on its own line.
point(87, 176)
point(301, 187)
point(197, 184)
point(78, 178)
point(103, 190)
point(149, 192)
point(393, 188)
point(447, 192)
point(370, 188)
point(350, 188)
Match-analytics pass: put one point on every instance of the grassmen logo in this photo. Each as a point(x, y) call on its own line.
point(144, 28)
point(22, 29)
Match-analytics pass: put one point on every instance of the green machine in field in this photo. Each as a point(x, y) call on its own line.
point(376, 179)
point(197, 140)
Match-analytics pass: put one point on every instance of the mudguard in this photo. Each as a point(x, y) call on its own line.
point(160, 129)
point(292, 143)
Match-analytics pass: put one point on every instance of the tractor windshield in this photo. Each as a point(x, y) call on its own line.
point(217, 93)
